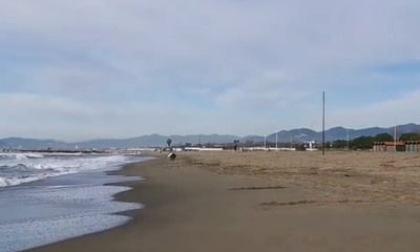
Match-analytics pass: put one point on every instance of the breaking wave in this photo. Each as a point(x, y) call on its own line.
point(18, 168)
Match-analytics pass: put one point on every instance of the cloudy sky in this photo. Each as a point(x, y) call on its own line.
point(78, 69)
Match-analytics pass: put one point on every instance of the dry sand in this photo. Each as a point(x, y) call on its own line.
point(268, 201)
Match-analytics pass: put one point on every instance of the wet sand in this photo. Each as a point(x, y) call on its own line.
point(281, 201)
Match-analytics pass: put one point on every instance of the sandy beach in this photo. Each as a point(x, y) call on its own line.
point(268, 201)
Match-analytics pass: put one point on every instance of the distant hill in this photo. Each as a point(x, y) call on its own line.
point(339, 133)
point(155, 140)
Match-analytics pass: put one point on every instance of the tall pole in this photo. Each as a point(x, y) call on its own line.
point(265, 142)
point(348, 140)
point(323, 123)
point(395, 138)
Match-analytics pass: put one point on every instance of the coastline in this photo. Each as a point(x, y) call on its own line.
point(129, 170)
point(190, 207)
point(57, 208)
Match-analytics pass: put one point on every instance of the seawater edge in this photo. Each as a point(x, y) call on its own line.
point(64, 207)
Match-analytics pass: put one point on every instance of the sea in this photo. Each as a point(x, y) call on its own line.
point(45, 198)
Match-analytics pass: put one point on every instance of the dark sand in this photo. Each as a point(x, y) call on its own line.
point(193, 205)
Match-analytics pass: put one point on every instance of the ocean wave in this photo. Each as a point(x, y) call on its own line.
point(16, 168)
point(20, 156)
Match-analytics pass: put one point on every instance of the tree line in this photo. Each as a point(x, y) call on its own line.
point(367, 142)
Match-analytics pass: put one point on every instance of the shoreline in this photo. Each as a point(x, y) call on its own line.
point(62, 207)
point(194, 207)
point(124, 196)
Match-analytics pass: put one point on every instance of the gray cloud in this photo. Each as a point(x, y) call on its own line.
point(246, 63)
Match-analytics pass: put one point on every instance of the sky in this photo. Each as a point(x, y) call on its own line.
point(76, 70)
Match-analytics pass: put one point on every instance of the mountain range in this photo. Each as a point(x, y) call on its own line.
point(155, 140)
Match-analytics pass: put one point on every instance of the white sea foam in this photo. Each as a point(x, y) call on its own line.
point(18, 168)
point(42, 232)
point(20, 156)
point(60, 207)
point(37, 216)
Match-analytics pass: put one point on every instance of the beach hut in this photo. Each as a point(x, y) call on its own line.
point(412, 146)
point(389, 146)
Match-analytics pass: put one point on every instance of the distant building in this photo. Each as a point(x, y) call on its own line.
point(413, 146)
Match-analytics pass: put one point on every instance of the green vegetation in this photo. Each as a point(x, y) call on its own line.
point(366, 142)
point(384, 137)
point(410, 137)
point(339, 144)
